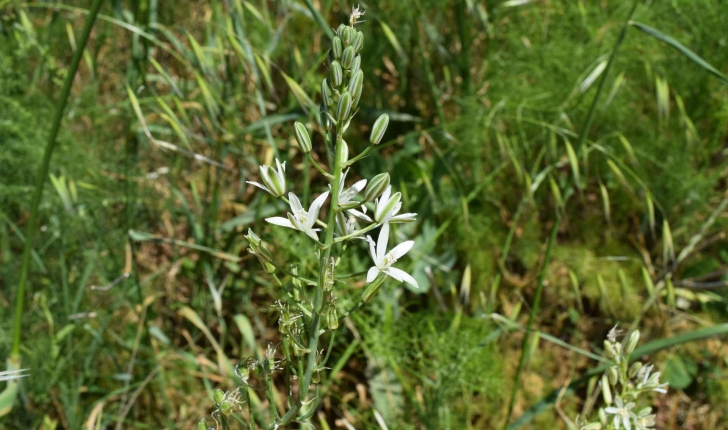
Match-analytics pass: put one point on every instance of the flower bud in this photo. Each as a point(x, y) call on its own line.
point(226, 408)
point(376, 187)
point(348, 35)
point(606, 392)
point(347, 57)
point(337, 47)
point(337, 74)
point(355, 64)
point(358, 42)
point(340, 30)
point(344, 155)
point(343, 108)
point(274, 179)
point(219, 396)
point(302, 137)
point(326, 93)
point(202, 425)
point(634, 369)
point(602, 416)
point(613, 374)
point(259, 250)
point(356, 83)
point(325, 120)
point(632, 342)
point(371, 291)
point(378, 129)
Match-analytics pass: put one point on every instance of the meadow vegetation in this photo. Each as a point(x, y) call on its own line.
point(566, 159)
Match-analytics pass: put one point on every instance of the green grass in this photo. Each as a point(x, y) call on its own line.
point(483, 103)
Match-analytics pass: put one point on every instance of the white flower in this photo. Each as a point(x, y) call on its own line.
point(274, 181)
point(346, 196)
point(300, 219)
point(383, 260)
point(622, 413)
point(386, 209)
point(650, 381)
point(644, 420)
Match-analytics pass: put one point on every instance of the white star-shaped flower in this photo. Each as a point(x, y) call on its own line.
point(299, 219)
point(383, 260)
point(622, 413)
point(386, 209)
point(345, 196)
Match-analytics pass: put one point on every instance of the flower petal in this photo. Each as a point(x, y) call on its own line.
point(372, 249)
point(409, 217)
point(313, 211)
point(311, 233)
point(401, 275)
point(261, 186)
point(277, 220)
point(295, 203)
point(403, 248)
point(372, 274)
point(358, 186)
point(382, 243)
point(360, 215)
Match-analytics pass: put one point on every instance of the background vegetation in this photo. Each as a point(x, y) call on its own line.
point(140, 285)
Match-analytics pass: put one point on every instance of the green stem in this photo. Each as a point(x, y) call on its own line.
point(356, 233)
point(363, 154)
point(593, 108)
point(531, 318)
point(43, 173)
point(326, 174)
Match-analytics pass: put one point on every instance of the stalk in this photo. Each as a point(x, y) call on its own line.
point(43, 173)
point(531, 318)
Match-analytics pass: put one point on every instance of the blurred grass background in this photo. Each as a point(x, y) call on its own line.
point(141, 287)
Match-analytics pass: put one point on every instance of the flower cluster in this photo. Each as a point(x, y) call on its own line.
point(623, 387)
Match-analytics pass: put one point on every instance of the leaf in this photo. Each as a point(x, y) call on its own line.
point(657, 34)
point(389, 34)
point(679, 372)
point(299, 93)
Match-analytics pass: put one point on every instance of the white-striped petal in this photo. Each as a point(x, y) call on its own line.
point(313, 211)
point(401, 275)
point(401, 249)
point(261, 186)
point(296, 206)
point(360, 215)
point(382, 243)
point(283, 222)
point(372, 274)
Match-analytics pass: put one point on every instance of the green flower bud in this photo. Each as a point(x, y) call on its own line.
point(325, 120)
point(355, 64)
point(219, 396)
point(606, 392)
point(613, 375)
point(602, 416)
point(337, 47)
point(378, 129)
point(348, 35)
point(376, 187)
point(302, 137)
point(316, 376)
point(226, 408)
point(343, 109)
point(592, 426)
point(347, 57)
point(259, 250)
point(356, 83)
point(202, 425)
point(337, 74)
point(326, 93)
point(634, 369)
point(632, 342)
point(358, 42)
point(344, 156)
point(340, 30)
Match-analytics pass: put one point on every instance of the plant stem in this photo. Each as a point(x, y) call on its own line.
point(357, 233)
point(531, 317)
point(363, 154)
point(43, 173)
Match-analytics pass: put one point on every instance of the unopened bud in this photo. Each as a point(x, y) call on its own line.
point(344, 154)
point(326, 93)
point(606, 392)
point(343, 108)
point(356, 83)
point(613, 374)
point(347, 57)
point(226, 408)
point(355, 64)
point(302, 137)
point(378, 129)
point(632, 342)
point(340, 30)
point(337, 47)
point(602, 416)
point(219, 396)
point(324, 118)
point(376, 187)
point(202, 425)
point(358, 42)
point(634, 369)
point(337, 74)
point(347, 35)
